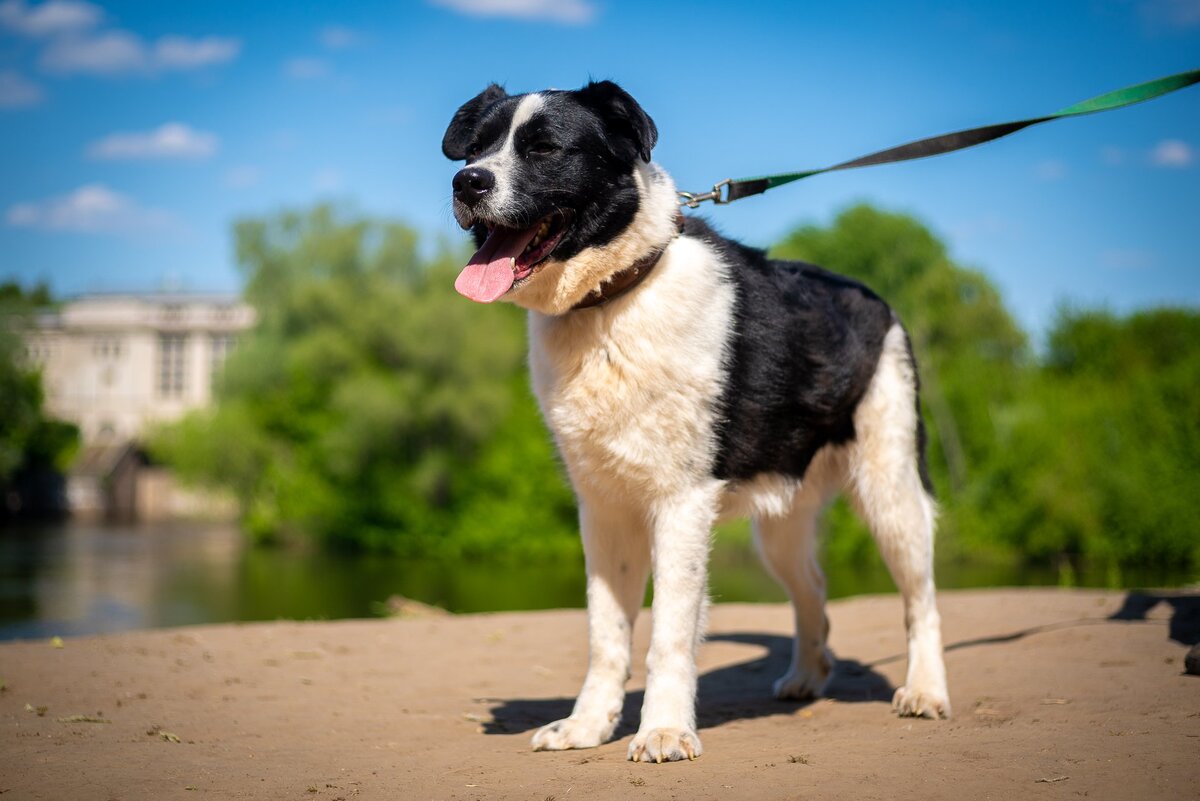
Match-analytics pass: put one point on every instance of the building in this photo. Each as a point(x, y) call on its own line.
point(117, 364)
point(112, 364)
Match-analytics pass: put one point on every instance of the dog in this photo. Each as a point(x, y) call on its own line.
point(687, 378)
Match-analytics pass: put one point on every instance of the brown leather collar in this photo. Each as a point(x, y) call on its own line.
point(627, 279)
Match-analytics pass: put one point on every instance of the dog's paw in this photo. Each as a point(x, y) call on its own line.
point(802, 684)
point(570, 733)
point(665, 745)
point(918, 703)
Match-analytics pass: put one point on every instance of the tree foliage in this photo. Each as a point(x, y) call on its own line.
point(1091, 451)
point(970, 352)
point(29, 439)
point(372, 407)
point(1101, 456)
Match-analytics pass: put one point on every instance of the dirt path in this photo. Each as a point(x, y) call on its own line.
point(1053, 699)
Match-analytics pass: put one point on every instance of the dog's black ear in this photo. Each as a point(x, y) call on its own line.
point(462, 127)
point(623, 116)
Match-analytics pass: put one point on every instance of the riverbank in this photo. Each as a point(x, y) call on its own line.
point(1057, 694)
point(72, 578)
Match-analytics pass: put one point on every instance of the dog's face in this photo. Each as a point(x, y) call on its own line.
point(548, 176)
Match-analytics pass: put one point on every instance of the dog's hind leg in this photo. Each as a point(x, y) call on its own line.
point(788, 546)
point(616, 544)
point(887, 489)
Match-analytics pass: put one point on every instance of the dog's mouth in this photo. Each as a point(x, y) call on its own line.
point(509, 256)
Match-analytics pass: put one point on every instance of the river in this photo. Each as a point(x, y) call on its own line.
point(81, 578)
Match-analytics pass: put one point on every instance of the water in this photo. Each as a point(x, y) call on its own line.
point(76, 578)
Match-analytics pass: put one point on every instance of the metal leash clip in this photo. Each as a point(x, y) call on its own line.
point(693, 200)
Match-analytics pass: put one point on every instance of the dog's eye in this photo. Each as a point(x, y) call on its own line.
point(473, 152)
point(541, 148)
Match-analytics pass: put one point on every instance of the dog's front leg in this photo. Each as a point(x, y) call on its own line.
point(682, 529)
point(616, 544)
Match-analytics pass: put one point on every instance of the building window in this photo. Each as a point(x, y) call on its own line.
point(106, 348)
point(36, 355)
point(171, 365)
point(172, 314)
point(220, 347)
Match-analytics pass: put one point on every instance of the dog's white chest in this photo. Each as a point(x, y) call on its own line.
point(631, 391)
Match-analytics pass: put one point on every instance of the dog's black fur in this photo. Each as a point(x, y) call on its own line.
point(805, 349)
point(806, 344)
point(577, 156)
point(674, 396)
point(807, 340)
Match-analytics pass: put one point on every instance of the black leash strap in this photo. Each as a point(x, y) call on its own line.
point(730, 189)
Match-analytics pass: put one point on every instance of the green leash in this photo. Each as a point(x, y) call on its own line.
point(731, 189)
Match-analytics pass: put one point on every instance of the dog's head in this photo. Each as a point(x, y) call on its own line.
point(551, 179)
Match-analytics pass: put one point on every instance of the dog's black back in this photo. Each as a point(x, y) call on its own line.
point(804, 350)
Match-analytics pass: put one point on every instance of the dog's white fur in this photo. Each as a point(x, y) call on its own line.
point(501, 163)
point(560, 285)
point(631, 391)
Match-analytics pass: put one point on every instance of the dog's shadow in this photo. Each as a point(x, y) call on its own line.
point(735, 692)
point(743, 691)
point(1184, 625)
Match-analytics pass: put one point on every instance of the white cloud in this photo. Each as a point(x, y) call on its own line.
point(93, 208)
point(243, 176)
point(1051, 170)
point(338, 37)
point(576, 12)
point(117, 52)
point(1127, 259)
point(182, 53)
point(74, 44)
point(172, 140)
point(306, 68)
point(1172, 153)
point(1173, 13)
point(390, 115)
point(988, 226)
point(1112, 155)
point(285, 140)
point(17, 91)
point(329, 179)
point(51, 18)
point(107, 53)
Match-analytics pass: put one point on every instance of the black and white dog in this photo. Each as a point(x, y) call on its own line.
point(686, 378)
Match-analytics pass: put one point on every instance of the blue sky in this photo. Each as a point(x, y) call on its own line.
point(132, 134)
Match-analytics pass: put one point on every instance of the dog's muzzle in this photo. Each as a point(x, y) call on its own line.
point(471, 184)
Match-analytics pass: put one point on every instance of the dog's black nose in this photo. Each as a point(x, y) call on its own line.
point(472, 183)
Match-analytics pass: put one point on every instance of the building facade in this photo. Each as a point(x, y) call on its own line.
point(115, 364)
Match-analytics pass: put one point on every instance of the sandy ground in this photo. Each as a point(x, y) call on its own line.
point(1053, 699)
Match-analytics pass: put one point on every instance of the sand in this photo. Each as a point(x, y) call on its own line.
point(1056, 693)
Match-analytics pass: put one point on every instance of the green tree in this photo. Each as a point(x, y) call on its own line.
point(372, 406)
point(1101, 459)
point(1092, 451)
point(29, 439)
point(971, 354)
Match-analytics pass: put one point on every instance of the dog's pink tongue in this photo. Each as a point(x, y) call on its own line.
point(492, 269)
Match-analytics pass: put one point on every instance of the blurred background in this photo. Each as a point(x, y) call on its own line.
point(236, 382)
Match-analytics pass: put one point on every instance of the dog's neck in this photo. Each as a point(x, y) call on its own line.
point(563, 286)
point(624, 281)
